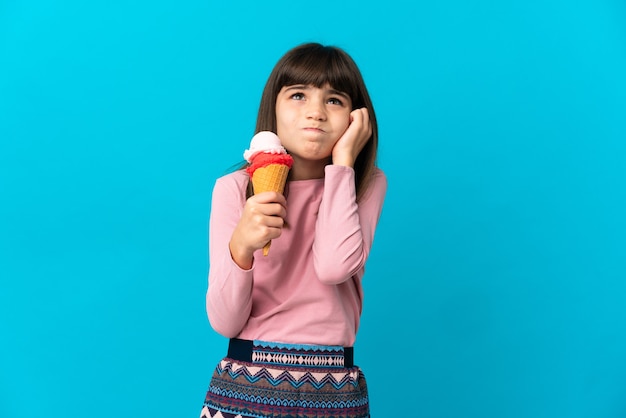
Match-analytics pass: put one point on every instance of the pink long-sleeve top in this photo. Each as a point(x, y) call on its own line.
point(308, 289)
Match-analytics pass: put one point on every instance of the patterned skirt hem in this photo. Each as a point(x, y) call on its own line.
point(255, 390)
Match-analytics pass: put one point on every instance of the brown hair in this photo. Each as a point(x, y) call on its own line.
point(317, 65)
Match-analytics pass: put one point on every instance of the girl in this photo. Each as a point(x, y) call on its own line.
point(292, 317)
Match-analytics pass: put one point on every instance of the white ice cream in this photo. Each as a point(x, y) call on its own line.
point(265, 141)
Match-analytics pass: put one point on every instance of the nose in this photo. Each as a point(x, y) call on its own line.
point(316, 110)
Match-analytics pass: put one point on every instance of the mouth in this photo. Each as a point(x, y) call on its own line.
point(313, 129)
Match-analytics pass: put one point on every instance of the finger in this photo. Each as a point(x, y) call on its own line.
point(356, 117)
point(259, 212)
point(272, 228)
point(364, 123)
point(272, 203)
point(275, 210)
point(366, 117)
point(361, 111)
point(269, 197)
point(274, 222)
point(367, 124)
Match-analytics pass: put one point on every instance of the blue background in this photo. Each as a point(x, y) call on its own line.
point(496, 286)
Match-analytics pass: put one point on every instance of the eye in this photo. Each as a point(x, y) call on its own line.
point(298, 96)
point(335, 101)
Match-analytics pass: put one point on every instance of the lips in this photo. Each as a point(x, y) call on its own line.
point(314, 129)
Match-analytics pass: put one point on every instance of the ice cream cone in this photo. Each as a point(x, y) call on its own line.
point(269, 166)
point(271, 178)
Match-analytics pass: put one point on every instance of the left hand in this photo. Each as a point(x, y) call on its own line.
point(348, 147)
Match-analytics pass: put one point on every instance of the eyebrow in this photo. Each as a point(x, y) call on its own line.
point(339, 93)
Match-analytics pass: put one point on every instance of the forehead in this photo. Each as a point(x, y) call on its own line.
point(319, 74)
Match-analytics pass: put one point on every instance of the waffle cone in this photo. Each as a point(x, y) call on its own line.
point(271, 178)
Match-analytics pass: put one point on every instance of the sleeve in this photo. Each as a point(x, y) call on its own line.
point(345, 230)
point(229, 294)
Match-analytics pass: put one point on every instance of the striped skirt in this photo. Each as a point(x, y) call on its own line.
point(262, 380)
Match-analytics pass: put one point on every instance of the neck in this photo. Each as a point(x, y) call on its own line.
point(307, 169)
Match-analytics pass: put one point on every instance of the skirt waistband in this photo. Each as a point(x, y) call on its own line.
point(291, 355)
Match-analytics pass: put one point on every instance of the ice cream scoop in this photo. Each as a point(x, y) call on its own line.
point(266, 142)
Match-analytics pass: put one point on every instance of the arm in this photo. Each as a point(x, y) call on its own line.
point(229, 295)
point(345, 230)
point(238, 227)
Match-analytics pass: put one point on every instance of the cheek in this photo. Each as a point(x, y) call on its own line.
point(281, 120)
point(284, 116)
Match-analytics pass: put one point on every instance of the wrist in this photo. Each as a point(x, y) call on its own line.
point(243, 258)
point(344, 161)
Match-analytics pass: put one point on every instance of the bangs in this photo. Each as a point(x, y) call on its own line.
point(320, 67)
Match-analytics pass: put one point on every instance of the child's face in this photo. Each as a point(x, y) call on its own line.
point(310, 120)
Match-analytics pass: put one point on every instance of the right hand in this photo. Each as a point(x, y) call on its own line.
point(262, 220)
